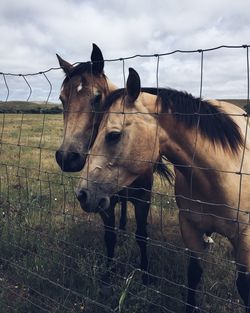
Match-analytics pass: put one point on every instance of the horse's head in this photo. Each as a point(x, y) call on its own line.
point(83, 90)
point(126, 147)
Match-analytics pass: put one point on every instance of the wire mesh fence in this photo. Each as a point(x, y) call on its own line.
point(52, 253)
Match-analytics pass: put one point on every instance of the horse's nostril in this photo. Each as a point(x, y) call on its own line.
point(74, 156)
point(69, 161)
point(59, 156)
point(104, 203)
point(82, 196)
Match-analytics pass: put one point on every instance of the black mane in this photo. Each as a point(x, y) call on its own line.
point(211, 120)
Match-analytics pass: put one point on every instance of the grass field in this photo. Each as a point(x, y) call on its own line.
point(52, 254)
point(29, 107)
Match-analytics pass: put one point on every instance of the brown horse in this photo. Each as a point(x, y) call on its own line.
point(208, 144)
point(83, 92)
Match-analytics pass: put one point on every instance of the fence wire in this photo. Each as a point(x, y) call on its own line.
point(52, 254)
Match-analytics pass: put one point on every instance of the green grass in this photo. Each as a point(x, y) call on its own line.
point(29, 107)
point(52, 254)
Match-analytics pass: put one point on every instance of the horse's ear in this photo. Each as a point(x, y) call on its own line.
point(133, 85)
point(97, 60)
point(65, 66)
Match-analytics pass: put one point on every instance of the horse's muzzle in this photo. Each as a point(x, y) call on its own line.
point(69, 161)
point(92, 203)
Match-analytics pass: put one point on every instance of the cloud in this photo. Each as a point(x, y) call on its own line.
point(32, 32)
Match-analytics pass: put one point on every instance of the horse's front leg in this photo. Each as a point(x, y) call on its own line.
point(194, 242)
point(194, 276)
point(108, 217)
point(123, 217)
point(141, 214)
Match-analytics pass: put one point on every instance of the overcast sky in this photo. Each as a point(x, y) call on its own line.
point(32, 32)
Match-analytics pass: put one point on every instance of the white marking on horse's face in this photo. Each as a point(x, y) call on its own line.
point(79, 88)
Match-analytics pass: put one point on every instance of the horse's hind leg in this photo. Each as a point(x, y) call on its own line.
point(243, 286)
point(194, 242)
point(123, 217)
point(242, 247)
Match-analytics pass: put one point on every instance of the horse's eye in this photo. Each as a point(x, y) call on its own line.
point(113, 137)
point(97, 99)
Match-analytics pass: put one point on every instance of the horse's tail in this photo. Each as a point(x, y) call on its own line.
point(163, 170)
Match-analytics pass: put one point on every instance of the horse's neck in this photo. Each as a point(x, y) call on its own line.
point(181, 145)
point(175, 141)
point(193, 157)
point(172, 137)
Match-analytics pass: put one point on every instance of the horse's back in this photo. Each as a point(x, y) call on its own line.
point(228, 107)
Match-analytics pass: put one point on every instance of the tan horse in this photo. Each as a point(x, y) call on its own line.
point(83, 92)
point(208, 144)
